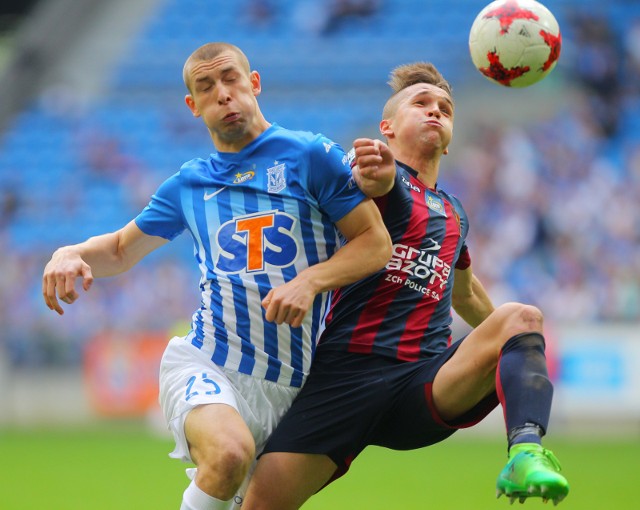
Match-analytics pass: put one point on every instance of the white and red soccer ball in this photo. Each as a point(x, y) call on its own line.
point(515, 43)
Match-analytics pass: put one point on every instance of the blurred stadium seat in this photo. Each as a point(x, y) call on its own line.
point(69, 170)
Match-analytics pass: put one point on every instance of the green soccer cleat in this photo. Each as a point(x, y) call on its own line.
point(532, 471)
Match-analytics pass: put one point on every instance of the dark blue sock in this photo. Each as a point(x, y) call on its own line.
point(524, 388)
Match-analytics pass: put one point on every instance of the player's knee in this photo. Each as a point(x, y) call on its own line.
point(222, 469)
point(519, 318)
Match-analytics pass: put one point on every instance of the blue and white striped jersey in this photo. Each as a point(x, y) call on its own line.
point(257, 218)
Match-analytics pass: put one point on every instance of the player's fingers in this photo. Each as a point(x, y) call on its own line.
point(62, 290)
point(273, 313)
point(269, 310)
point(362, 142)
point(282, 314)
point(296, 320)
point(369, 164)
point(369, 172)
point(270, 313)
point(292, 316)
point(267, 299)
point(49, 293)
point(66, 288)
point(87, 276)
point(45, 289)
point(384, 151)
point(367, 150)
point(60, 287)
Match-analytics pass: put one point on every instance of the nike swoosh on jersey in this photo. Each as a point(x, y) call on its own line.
point(208, 196)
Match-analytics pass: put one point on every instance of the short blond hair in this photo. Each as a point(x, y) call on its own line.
point(210, 51)
point(406, 75)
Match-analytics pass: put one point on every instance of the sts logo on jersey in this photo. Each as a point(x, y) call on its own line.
point(250, 243)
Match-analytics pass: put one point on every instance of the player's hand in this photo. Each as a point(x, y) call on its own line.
point(288, 303)
point(59, 278)
point(376, 167)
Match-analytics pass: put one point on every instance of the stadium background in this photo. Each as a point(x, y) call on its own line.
point(92, 119)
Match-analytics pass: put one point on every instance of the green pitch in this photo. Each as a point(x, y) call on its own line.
point(124, 467)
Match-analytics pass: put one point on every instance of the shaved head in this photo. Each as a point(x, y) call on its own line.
point(210, 51)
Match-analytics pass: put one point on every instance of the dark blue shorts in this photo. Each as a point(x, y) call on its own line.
point(351, 401)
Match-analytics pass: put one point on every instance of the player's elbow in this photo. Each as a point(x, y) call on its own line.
point(463, 302)
point(460, 300)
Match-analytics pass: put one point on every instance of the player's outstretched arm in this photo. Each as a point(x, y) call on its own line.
point(100, 256)
point(375, 169)
point(469, 298)
point(368, 250)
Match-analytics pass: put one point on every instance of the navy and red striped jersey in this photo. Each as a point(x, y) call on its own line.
point(404, 310)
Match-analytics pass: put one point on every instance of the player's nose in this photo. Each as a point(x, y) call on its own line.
point(223, 95)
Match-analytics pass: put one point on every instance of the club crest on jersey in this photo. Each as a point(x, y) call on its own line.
point(276, 180)
point(256, 242)
point(435, 204)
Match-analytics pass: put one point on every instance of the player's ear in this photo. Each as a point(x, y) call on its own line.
point(256, 86)
point(386, 128)
point(191, 104)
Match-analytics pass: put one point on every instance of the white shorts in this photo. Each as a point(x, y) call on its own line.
point(188, 378)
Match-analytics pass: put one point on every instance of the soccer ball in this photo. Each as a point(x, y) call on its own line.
point(515, 43)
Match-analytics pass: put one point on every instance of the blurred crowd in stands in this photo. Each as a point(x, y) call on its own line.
point(554, 208)
point(555, 205)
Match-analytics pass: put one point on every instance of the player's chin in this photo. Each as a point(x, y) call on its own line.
point(233, 133)
point(434, 137)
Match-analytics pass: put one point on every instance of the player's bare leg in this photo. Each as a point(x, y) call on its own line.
point(506, 354)
point(284, 481)
point(222, 446)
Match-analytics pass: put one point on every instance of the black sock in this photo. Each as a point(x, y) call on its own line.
point(528, 433)
point(524, 388)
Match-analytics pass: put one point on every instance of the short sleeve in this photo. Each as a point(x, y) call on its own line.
point(464, 259)
point(330, 179)
point(163, 215)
